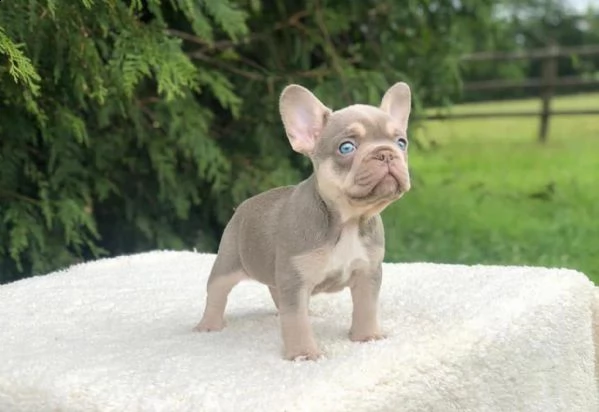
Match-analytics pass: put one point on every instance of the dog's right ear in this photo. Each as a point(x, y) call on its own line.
point(396, 102)
point(304, 117)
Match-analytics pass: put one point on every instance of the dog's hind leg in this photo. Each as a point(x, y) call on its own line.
point(218, 289)
point(226, 273)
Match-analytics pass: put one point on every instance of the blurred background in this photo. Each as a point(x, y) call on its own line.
point(133, 125)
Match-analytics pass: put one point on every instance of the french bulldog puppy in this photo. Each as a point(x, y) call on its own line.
point(326, 233)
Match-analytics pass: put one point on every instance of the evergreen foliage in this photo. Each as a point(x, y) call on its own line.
point(133, 125)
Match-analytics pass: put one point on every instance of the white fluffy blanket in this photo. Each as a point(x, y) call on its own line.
point(116, 335)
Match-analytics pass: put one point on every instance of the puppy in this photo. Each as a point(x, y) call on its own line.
point(326, 233)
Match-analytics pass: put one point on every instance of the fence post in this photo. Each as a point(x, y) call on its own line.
point(549, 76)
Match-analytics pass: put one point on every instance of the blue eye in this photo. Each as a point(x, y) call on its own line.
point(402, 143)
point(346, 148)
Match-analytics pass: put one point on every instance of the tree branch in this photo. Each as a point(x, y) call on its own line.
point(218, 63)
point(15, 195)
point(331, 51)
point(187, 36)
point(292, 21)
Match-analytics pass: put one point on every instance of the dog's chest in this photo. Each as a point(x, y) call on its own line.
point(347, 255)
point(329, 268)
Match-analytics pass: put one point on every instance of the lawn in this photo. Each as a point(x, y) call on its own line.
point(486, 192)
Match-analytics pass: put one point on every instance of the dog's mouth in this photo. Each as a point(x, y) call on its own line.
point(388, 185)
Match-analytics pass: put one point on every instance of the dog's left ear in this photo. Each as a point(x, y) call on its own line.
point(397, 102)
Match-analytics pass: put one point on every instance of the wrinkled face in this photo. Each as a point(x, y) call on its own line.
point(359, 152)
point(361, 158)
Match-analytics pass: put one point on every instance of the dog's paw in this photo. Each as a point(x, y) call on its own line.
point(308, 354)
point(366, 337)
point(210, 325)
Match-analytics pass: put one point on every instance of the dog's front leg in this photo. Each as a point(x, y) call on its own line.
point(298, 337)
point(365, 289)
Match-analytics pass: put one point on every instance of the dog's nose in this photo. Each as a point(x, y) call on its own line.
point(384, 155)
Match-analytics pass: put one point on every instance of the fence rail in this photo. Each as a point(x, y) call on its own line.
point(543, 53)
point(536, 113)
point(546, 84)
point(530, 82)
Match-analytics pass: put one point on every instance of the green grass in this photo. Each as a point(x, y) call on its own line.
point(487, 192)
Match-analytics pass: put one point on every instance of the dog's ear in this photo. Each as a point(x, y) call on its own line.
point(304, 117)
point(397, 102)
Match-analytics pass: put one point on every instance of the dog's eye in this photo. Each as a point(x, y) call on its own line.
point(346, 148)
point(402, 143)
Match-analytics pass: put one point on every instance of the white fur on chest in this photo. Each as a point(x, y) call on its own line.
point(329, 268)
point(347, 255)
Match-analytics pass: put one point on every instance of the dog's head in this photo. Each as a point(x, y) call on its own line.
point(359, 152)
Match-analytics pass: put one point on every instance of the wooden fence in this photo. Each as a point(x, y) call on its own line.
point(546, 84)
